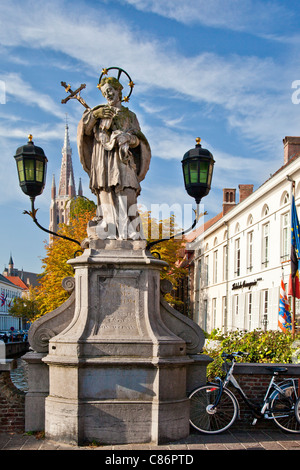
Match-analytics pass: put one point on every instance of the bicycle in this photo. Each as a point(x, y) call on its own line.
point(214, 408)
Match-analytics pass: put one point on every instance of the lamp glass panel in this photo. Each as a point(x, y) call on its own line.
point(194, 171)
point(39, 171)
point(210, 174)
point(21, 171)
point(203, 172)
point(29, 170)
point(186, 174)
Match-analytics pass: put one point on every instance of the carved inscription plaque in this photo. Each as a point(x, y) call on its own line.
point(118, 307)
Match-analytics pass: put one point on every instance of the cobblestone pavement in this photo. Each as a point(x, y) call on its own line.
point(237, 440)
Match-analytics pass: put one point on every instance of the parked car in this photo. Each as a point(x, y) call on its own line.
point(4, 336)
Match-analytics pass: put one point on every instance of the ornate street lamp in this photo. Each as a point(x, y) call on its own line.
point(32, 168)
point(197, 167)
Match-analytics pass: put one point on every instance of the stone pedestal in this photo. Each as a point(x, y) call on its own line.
point(38, 389)
point(117, 374)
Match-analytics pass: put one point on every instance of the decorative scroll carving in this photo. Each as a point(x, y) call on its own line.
point(53, 323)
point(68, 283)
point(179, 324)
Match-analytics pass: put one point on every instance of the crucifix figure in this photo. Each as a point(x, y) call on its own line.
point(116, 155)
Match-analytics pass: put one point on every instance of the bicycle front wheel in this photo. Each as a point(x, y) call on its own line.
point(209, 419)
point(284, 410)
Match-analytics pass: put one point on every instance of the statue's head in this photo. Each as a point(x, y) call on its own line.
point(112, 81)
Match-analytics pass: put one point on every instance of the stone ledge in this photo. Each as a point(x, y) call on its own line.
point(243, 368)
point(7, 365)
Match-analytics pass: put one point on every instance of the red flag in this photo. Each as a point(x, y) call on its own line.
point(294, 284)
point(284, 319)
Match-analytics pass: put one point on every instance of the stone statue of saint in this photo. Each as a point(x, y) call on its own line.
point(116, 155)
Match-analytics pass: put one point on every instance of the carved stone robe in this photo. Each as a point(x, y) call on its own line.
point(101, 158)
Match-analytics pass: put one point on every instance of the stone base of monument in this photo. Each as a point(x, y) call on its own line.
point(117, 373)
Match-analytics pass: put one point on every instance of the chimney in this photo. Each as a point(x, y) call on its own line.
point(291, 146)
point(245, 191)
point(228, 199)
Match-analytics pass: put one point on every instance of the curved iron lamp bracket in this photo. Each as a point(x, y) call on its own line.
point(155, 242)
point(32, 214)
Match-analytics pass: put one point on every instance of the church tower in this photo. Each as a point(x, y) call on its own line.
point(60, 207)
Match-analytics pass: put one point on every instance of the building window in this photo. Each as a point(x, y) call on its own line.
point(250, 252)
point(214, 312)
point(265, 210)
point(225, 266)
point(215, 271)
point(249, 310)
point(237, 259)
point(235, 310)
point(285, 198)
point(206, 261)
point(265, 308)
point(285, 237)
point(224, 310)
point(265, 245)
point(204, 315)
point(200, 272)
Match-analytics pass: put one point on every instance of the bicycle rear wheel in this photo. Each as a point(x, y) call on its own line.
point(207, 419)
point(297, 410)
point(283, 410)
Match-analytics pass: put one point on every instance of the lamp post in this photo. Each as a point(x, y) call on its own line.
point(197, 167)
point(32, 168)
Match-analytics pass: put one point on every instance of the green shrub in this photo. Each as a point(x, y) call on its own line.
point(262, 347)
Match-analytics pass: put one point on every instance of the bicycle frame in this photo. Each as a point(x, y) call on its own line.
point(261, 410)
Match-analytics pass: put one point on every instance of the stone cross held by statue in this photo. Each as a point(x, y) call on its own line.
point(74, 94)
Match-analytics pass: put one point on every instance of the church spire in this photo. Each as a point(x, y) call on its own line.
point(66, 171)
point(61, 199)
point(67, 147)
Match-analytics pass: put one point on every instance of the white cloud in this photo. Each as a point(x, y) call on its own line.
point(253, 16)
point(248, 92)
point(16, 88)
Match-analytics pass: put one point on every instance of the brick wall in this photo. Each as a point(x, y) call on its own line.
point(254, 380)
point(12, 405)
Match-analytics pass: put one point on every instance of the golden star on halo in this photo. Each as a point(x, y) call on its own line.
point(126, 99)
point(104, 71)
point(131, 84)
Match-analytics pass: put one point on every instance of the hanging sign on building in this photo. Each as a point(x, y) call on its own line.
point(241, 285)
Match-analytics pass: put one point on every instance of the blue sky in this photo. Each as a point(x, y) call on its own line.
point(220, 70)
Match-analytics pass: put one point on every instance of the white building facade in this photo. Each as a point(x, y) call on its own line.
point(242, 254)
point(8, 292)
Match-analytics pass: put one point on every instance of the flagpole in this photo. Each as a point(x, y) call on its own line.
point(293, 280)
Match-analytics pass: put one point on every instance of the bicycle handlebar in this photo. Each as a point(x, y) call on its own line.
point(231, 356)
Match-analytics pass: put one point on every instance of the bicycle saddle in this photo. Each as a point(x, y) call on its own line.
point(275, 369)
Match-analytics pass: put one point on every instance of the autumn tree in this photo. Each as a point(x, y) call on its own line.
point(171, 249)
point(25, 307)
point(50, 293)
